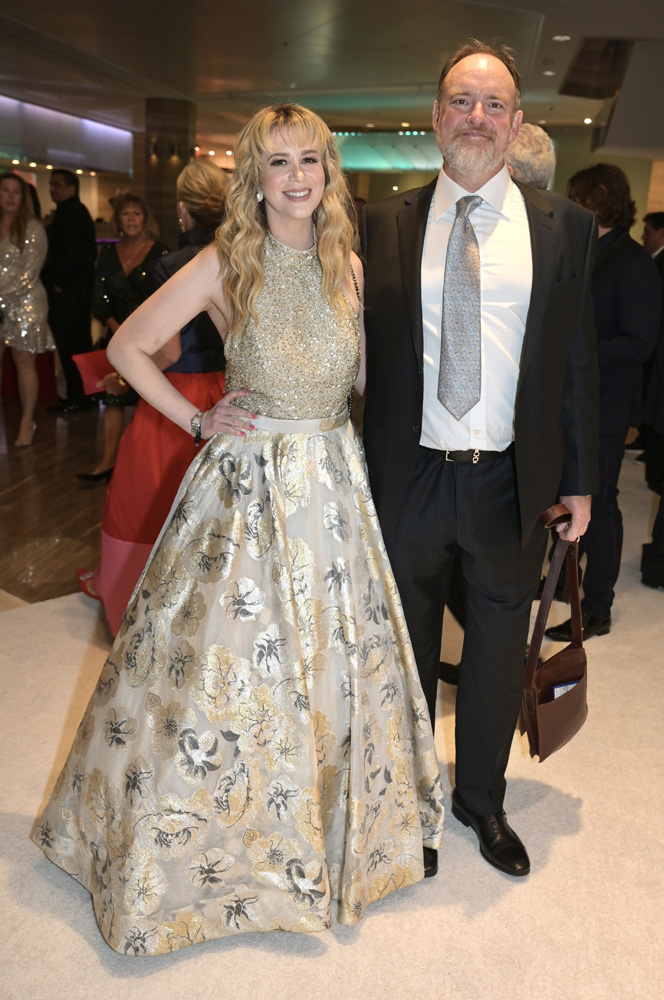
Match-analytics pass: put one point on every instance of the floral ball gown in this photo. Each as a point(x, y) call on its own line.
point(258, 743)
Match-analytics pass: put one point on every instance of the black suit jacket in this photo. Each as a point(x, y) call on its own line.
point(627, 297)
point(556, 409)
point(72, 252)
point(659, 261)
point(654, 406)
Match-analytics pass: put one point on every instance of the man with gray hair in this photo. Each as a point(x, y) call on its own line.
point(531, 159)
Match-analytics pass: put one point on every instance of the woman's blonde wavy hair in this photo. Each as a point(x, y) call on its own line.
point(201, 187)
point(241, 235)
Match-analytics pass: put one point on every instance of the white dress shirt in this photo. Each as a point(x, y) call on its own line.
point(506, 272)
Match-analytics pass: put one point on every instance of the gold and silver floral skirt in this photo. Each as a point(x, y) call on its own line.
point(257, 743)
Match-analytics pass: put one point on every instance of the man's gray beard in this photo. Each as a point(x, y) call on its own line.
point(471, 161)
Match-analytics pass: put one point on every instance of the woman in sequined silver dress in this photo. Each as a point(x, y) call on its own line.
point(258, 744)
point(23, 304)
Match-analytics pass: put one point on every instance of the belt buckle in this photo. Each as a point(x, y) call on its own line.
point(476, 457)
point(447, 457)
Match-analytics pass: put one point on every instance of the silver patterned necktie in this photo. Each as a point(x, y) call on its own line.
point(460, 369)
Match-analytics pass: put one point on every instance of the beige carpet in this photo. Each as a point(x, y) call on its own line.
point(586, 924)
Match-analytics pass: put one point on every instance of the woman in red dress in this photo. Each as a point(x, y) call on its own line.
point(154, 453)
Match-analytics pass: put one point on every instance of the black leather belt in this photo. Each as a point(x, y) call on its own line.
point(472, 457)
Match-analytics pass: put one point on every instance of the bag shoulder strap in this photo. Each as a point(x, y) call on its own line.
point(564, 551)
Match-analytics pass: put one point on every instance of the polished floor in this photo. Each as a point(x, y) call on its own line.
point(585, 925)
point(49, 522)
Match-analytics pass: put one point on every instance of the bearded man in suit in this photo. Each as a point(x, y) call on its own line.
point(472, 433)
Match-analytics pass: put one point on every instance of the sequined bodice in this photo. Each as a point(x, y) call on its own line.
point(300, 358)
point(23, 303)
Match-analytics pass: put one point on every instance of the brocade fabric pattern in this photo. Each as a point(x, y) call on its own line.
point(23, 302)
point(258, 743)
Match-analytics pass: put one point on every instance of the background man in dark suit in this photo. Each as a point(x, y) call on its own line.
point(476, 482)
point(652, 564)
point(627, 297)
point(68, 276)
point(653, 237)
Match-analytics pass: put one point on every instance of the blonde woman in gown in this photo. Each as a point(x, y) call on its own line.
point(258, 744)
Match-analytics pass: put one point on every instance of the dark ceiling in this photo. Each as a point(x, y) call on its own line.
point(360, 63)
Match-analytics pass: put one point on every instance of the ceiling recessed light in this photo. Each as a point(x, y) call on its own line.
point(370, 125)
point(542, 121)
point(49, 166)
point(587, 121)
point(229, 152)
point(561, 38)
point(16, 162)
point(405, 124)
point(395, 187)
point(93, 173)
point(548, 72)
point(32, 163)
point(211, 153)
point(79, 171)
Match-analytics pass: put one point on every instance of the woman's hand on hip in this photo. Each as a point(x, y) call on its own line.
point(224, 418)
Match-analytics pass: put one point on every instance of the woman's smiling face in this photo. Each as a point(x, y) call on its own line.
point(292, 178)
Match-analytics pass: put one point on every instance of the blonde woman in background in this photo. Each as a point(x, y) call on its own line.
point(23, 303)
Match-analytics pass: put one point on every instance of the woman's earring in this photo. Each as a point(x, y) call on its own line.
point(259, 195)
point(181, 225)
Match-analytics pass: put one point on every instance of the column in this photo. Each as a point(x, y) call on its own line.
point(170, 137)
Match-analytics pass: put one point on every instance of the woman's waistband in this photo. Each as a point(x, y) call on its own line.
point(315, 426)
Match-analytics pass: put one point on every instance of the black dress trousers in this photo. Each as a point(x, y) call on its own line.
point(472, 510)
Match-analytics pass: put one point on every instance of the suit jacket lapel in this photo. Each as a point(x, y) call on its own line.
point(411, 228)
point(543, 241)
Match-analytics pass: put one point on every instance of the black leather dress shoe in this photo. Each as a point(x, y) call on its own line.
point(448, 672)
point(430, 862)
point(651, 581)
point(591, 626)
point(499, 844)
